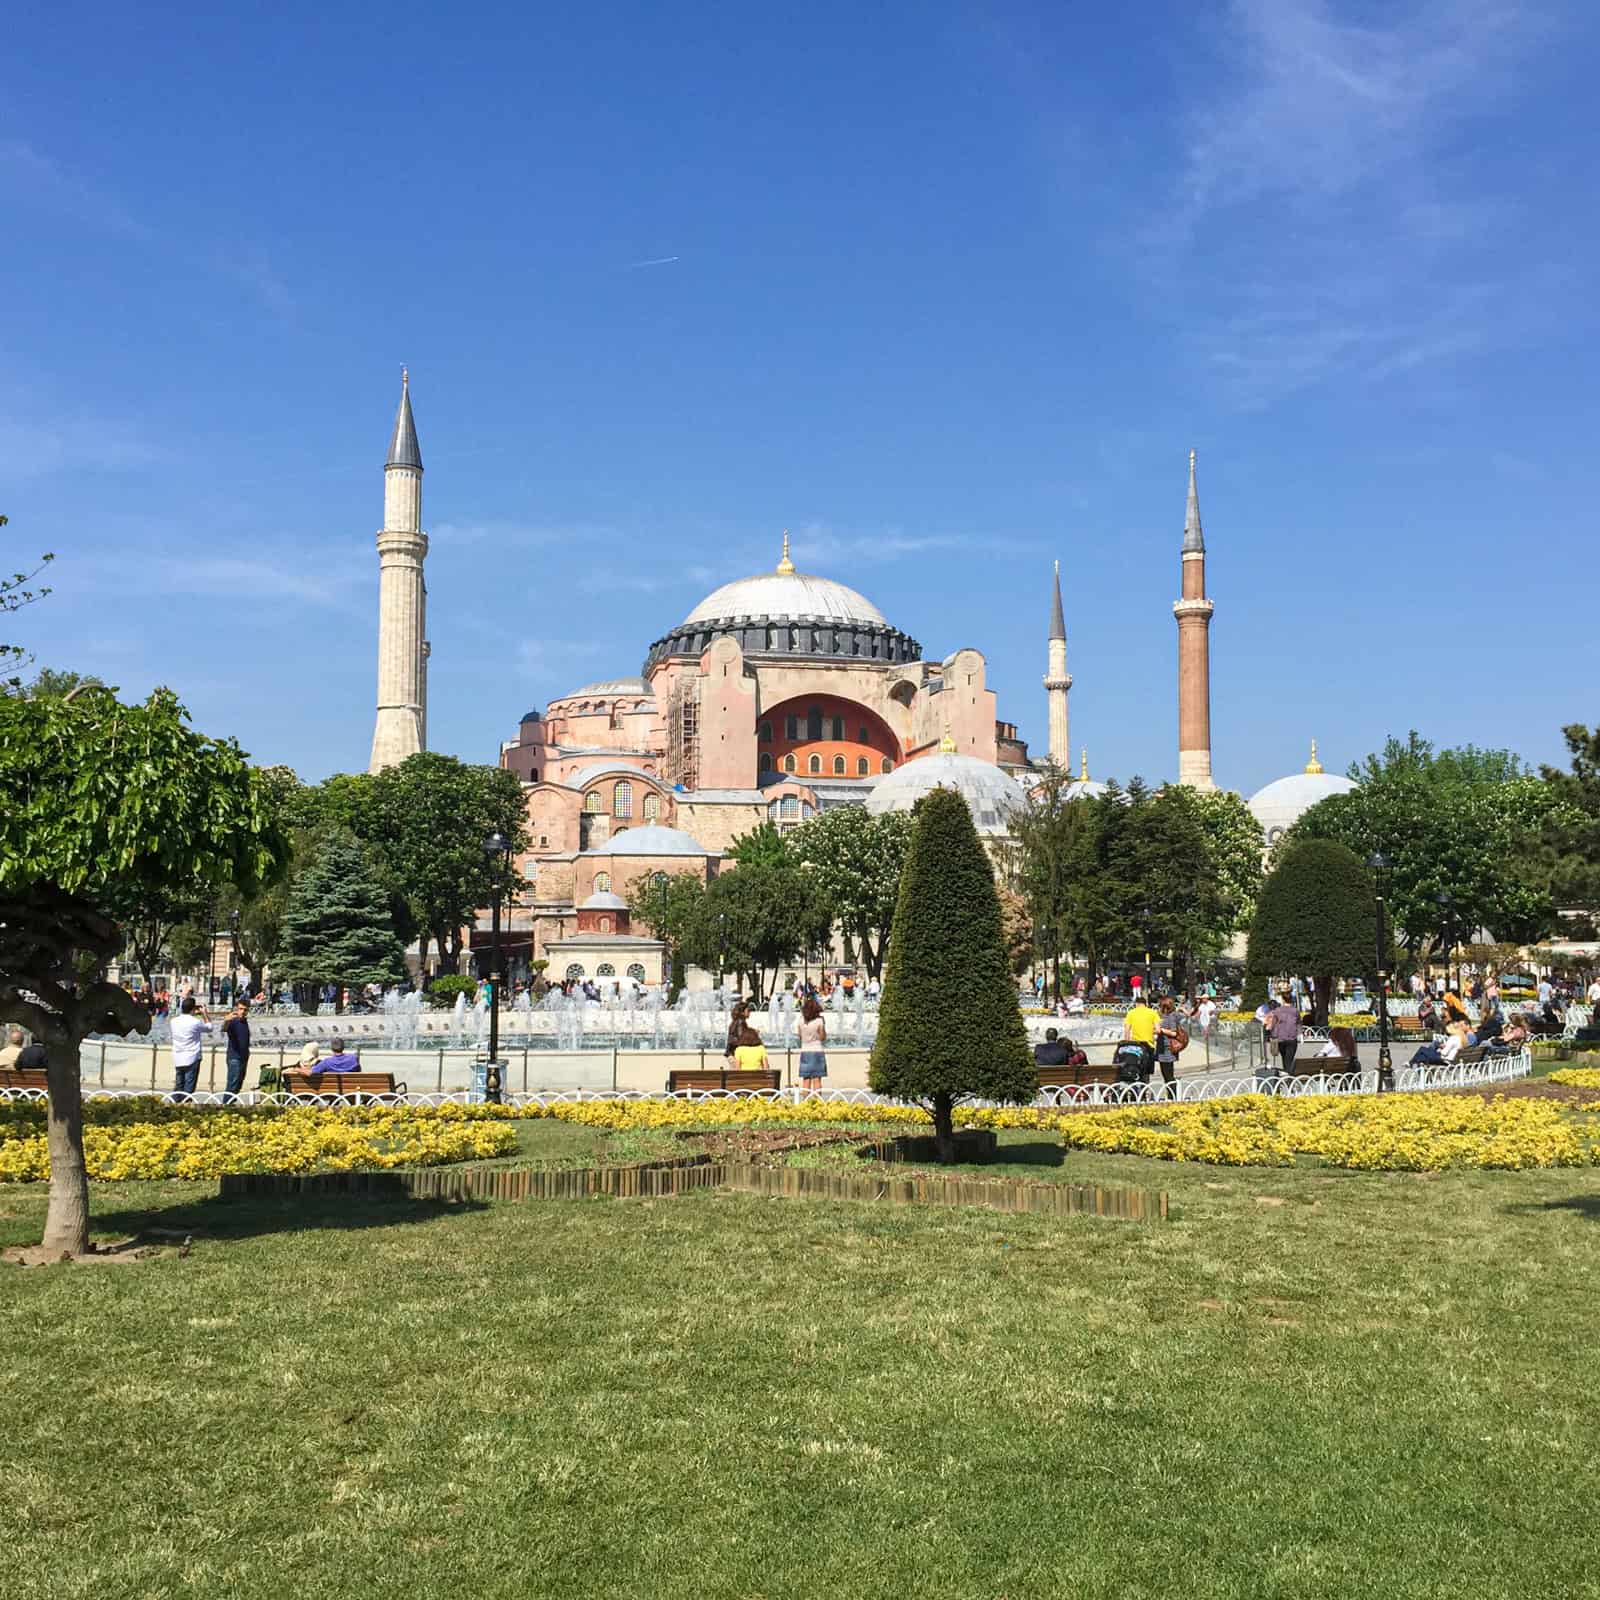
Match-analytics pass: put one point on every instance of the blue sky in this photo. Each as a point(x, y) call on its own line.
point(951, 293)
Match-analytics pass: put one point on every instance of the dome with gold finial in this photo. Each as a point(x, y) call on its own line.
point(1083, 786)
point(1282, 803)
point(993, 796)
point(789, 612)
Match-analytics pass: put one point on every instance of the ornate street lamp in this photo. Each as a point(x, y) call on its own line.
point(498, 850)
point(1379, 865)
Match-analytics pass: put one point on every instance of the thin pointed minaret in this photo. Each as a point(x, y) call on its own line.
point(1193, 612)
point(1057, 681)
point(401, 729)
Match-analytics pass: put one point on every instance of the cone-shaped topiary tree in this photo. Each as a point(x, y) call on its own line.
point(949, 1027)
point(1317, 917)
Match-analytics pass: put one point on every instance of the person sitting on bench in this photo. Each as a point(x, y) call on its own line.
point(1052, 1053)
point(1340, 1042)
point(750, 1055)
point(1442, 1055)
point(341, 1060)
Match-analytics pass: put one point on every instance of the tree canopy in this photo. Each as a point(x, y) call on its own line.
point(1317, 917)
point(336, 928)
point(949, 1024)
point(98, 797)
point(856, 860)
point(751, 920)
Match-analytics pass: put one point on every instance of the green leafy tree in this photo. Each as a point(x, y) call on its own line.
point(670, 906)
point(763, 846)
point(1317, 918)
point(1234, 848)
point(1457, 823)
point(336, 927)
point(190, 944)
point(856, 860)
point(753, 919)
point(949, 1025)
point(97, 796)
point(1568, 853)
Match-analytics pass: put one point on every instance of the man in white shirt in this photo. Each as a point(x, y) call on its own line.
point(1205, 1014)
point(1592, 994)
point(188, 1029)
point(1546, 991)
point(12, 1048)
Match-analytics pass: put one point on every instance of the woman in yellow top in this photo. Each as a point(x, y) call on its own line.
point(750, 1055)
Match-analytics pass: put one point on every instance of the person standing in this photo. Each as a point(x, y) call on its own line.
point(813, 1043)
point(188, 1029)
point(237, 1029)
point(1283, 1028)
point(1205, 1014)
point(1139, 1026)
point(1171, 1038)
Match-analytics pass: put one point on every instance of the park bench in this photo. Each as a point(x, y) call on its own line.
point(23, 1078)
point(1315, 1066)
point(722, 1078)
point(297, 1080)
point(1070, 1077)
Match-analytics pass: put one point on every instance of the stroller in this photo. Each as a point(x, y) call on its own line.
point(1133, 1061)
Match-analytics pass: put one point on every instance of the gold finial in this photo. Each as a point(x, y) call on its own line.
point(1313, 766)
point(1083, 767)
point(786, 566)
point(947, 745)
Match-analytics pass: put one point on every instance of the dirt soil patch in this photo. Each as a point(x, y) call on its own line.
point(112, 1253)
point(1531, 1089)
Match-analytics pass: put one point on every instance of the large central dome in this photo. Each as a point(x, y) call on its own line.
point(782, 595)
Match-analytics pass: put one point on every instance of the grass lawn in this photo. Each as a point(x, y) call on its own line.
point(1307, 1383)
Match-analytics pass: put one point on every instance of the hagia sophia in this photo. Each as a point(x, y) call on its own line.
point(779, 696)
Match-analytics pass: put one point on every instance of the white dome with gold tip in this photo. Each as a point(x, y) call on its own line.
point(786, 593)
point(1284, 801)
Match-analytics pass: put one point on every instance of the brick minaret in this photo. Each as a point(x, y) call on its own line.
point(1057, 681)
point(1193, 612)
point(402, 723)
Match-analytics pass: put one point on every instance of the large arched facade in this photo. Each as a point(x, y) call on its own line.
point(824, 736)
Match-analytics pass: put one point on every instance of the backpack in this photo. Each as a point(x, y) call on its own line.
point(1180, 1040)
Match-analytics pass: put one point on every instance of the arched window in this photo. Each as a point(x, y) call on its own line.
point(788, 763)
point(814, 764)
point(814, 722)
point(790, 805)
point(602, 883)
point(622, 800)
point(888, 765)
point(866, 734)
point(605, 924)
point(791, 726)
point(838, 766)
point(575, 970)
point(605, 970)
point(766, 733)
point(838, 730)
point(652, 806)
point(591, 801)
point(766, 761)
point(636, 972)
point(863, 766)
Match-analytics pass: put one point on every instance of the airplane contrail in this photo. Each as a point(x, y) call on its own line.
point(655, 261)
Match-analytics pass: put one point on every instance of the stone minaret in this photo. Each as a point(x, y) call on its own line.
point(402, 726)
point(1193, 612)
point(1057, 681)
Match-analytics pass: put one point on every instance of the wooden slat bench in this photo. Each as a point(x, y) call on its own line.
point(298, 1080)
point(23, 1078)
point(723, 1078)
point(1071, 1077)
point(1314, 1066)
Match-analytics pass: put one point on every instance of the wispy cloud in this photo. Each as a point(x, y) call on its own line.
point(654, 261)
point(261, 580)
point(34, 448)
point(1325, 221)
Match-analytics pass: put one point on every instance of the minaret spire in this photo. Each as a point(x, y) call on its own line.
point(1193, 612)
point(1057, 681)
point(401, 727)
point(785, 565)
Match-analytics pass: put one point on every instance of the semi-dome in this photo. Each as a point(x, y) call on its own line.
point(584, 776)
point(603, 900)
point(650, 840)
point(992, 795)
point(607, 686)
point(1284, 801)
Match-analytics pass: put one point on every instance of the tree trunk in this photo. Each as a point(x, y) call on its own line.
point(944, 1131)
point(424, 940)
point(1321, 998)
point(66, 1221)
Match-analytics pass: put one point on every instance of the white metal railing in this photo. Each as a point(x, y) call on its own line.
point(1492, 1069)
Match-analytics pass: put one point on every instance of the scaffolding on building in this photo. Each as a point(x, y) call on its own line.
point(683, 732)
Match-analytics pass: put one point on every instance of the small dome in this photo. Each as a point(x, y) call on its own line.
point(1283, 802)
point(991, 794)
point(607, 688)
point(1084, 789)
point(650, 840)
point(604, 901)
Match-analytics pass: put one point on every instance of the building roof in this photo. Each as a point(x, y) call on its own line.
point(607, 686)
point(1284, 801)
point(991, 794)
point(604, 900)
point(786, 593)
point(601, 769)
point(404, 450)
point(601, 941)
point(723, 797)
point(650, 840)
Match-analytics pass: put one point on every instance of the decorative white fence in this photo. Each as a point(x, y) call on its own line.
point(1493, 1069)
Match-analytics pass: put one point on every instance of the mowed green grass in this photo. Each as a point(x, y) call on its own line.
point(1307, 1383)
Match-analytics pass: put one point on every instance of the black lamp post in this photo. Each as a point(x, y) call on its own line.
point(1380, 878)
point(1447, 922)
point(233, 956)
point(498, 849)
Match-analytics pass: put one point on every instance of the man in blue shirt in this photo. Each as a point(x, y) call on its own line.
point(237, 1028)
point(341, 1060)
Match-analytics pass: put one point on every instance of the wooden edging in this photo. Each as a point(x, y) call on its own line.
point(662, 1179)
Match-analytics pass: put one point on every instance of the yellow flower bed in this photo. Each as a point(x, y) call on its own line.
point(139, 1138)
point(1577, 1077)
point(1379, 1133)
